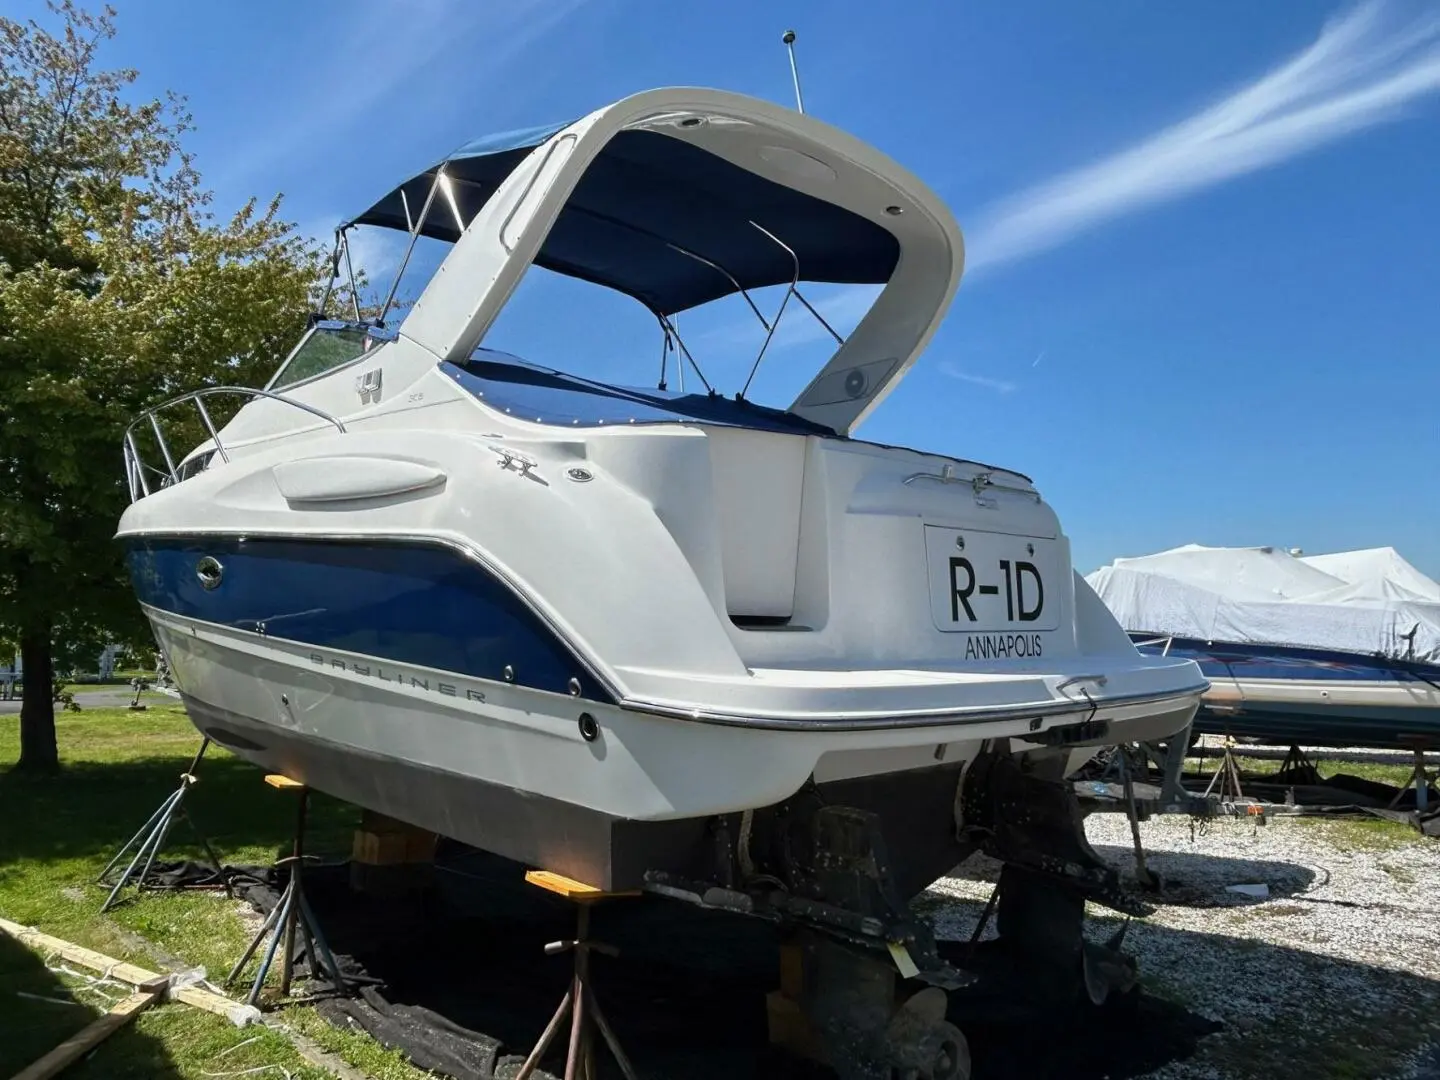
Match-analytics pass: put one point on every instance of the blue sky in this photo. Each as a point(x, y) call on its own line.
point(1201, 298)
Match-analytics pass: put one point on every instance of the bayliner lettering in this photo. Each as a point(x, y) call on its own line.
point(998, 646)
point(400, 678)
point(1019, 597)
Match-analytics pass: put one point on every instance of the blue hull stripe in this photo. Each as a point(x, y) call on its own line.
point(1381, 728)
point(1287, 722)
point(410, 603)
point(1243, 660)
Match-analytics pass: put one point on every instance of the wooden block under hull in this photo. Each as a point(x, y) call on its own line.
point(389, 857)
point(790, 1029)
point(385, 841)
point(393, 880)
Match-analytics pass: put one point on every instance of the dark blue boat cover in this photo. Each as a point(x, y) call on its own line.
point(646, 201)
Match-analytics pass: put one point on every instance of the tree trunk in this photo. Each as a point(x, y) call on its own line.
point(38, 752)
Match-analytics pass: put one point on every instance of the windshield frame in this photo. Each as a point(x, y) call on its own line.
point(382, 335)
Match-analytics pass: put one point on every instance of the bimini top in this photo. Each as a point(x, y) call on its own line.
point(678, 197)
point(661, 220)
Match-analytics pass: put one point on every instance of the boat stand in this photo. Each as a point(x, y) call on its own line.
point(1144, 877)
point(151, 838)
point(1295, 758)
point(1419, 775)
point(579, 1000)
point(1228, 773)
point(291, 913)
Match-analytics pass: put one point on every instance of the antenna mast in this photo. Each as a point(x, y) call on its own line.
point(789, 39)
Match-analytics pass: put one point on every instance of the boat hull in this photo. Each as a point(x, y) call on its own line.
point(1295, 696)
point(509, 768)
point(915, 806)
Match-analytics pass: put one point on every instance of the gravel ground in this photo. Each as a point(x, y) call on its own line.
point(1335, 974)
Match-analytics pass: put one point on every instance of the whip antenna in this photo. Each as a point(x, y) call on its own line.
point(789, 39)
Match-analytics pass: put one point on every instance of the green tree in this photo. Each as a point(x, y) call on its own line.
point(118, 288)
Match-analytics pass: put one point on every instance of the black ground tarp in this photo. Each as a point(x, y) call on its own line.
point(457, 979)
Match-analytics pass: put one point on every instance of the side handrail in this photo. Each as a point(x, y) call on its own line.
point(135, 466)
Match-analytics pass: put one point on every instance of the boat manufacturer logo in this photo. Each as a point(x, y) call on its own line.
point(367, 385)
point(399, 677)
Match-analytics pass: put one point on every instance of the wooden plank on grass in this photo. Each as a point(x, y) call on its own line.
point(195, 996)
point(44, 943)
point(88, 1038)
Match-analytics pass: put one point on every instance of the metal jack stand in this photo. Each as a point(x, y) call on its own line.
point(579, 1000)
point(1229, 771)
point(292, 912)
point(1295, 758)
point(152, 834)
point(1419, 776)
point(985, 914)
point(1143, 876)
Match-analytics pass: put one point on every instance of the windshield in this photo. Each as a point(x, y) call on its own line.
point(328, 346)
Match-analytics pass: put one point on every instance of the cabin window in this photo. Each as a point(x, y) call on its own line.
point(330, 345)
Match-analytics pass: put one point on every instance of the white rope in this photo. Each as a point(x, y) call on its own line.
point(93, 983)
point(237, 1046)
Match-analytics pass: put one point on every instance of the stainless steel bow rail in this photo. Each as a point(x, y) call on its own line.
point(135, 465)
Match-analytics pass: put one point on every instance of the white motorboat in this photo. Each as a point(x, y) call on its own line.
point(642, 637)
point(1326, 650)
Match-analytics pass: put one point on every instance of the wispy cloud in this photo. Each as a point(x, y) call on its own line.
point(351, 78)
point(1362, 70)
point(797, 326)
point(1000, 386)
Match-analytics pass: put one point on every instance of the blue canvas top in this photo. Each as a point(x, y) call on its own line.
point(529, 392)
point(646, 201)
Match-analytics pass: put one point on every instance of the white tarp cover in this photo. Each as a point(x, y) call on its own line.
point(1360, 601)
point(1381, 569)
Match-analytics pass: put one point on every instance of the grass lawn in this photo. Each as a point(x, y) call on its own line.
point(1366, 770)
point(56, 833)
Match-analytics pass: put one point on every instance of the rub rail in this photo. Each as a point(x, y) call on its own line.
point(135, 466)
